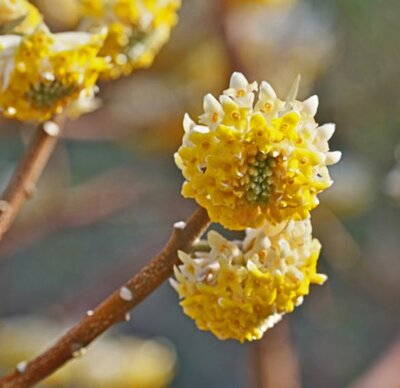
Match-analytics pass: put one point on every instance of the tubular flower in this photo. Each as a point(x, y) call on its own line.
point(42, 73)
point(137, 29)
point(249, 163)
point(15, 10)
point(238, 291)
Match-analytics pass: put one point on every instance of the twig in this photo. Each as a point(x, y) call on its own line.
point(28, 172)
point(274, 361)
point(113, 309)
point(231, 47)
point(384, 372)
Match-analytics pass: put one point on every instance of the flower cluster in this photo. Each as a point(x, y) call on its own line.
point(249, 161)
point(239, 290)
point(136, 30)
point(21, 12)
point(255, 164)
point(41, 73)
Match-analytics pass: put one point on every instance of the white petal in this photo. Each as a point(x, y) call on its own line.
point(326, 131)
point(227, 101)
point(264, 243)
point(70, 40)
point(238, 81)
point(271, 321)
point(200, 129)
point(188, 123)
point(178, 161)
point(9, 42)
point(251, 266)
point(210, 103)
point(266, 91)
point(310, 105)
point(333, 157)
point(215, 239)
point(174, 284)
point(184, 257)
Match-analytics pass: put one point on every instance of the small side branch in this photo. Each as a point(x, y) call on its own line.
point(28, 172)
point(114, 308)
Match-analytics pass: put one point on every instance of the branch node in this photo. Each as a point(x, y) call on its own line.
point(21, 366)
point(126, 294)
point(29, 189)
point(180, 225)
point(51, 128)
point(77, 350)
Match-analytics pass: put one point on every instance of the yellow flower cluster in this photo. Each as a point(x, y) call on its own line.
point(249, 161)
point(116, 361)
point(13, 10)
point(239, 290)
point(137, 29)
point(41, 73)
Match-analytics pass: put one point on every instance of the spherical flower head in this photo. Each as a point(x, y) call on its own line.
point(249, 161)
point(240, 289)
point(136, 30)
point(42, 73)
point(21, 11)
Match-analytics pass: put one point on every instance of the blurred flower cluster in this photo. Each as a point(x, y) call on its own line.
point(19, 16)
point(115, 361)
point(42, 73)
point(136, 30)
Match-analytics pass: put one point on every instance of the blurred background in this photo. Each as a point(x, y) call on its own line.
point(110, 194)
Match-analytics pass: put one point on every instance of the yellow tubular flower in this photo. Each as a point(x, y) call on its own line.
point(238, 291)
point(11, 10)
point(249, 163)
point(137, 29)
point(42, 73)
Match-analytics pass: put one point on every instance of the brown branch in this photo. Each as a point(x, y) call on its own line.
point(113, 309)
point(384, 372)
point(28, 172)
point(274, 362)
point(231, 47)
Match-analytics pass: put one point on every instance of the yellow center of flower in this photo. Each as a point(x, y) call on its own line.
point(214, 117)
